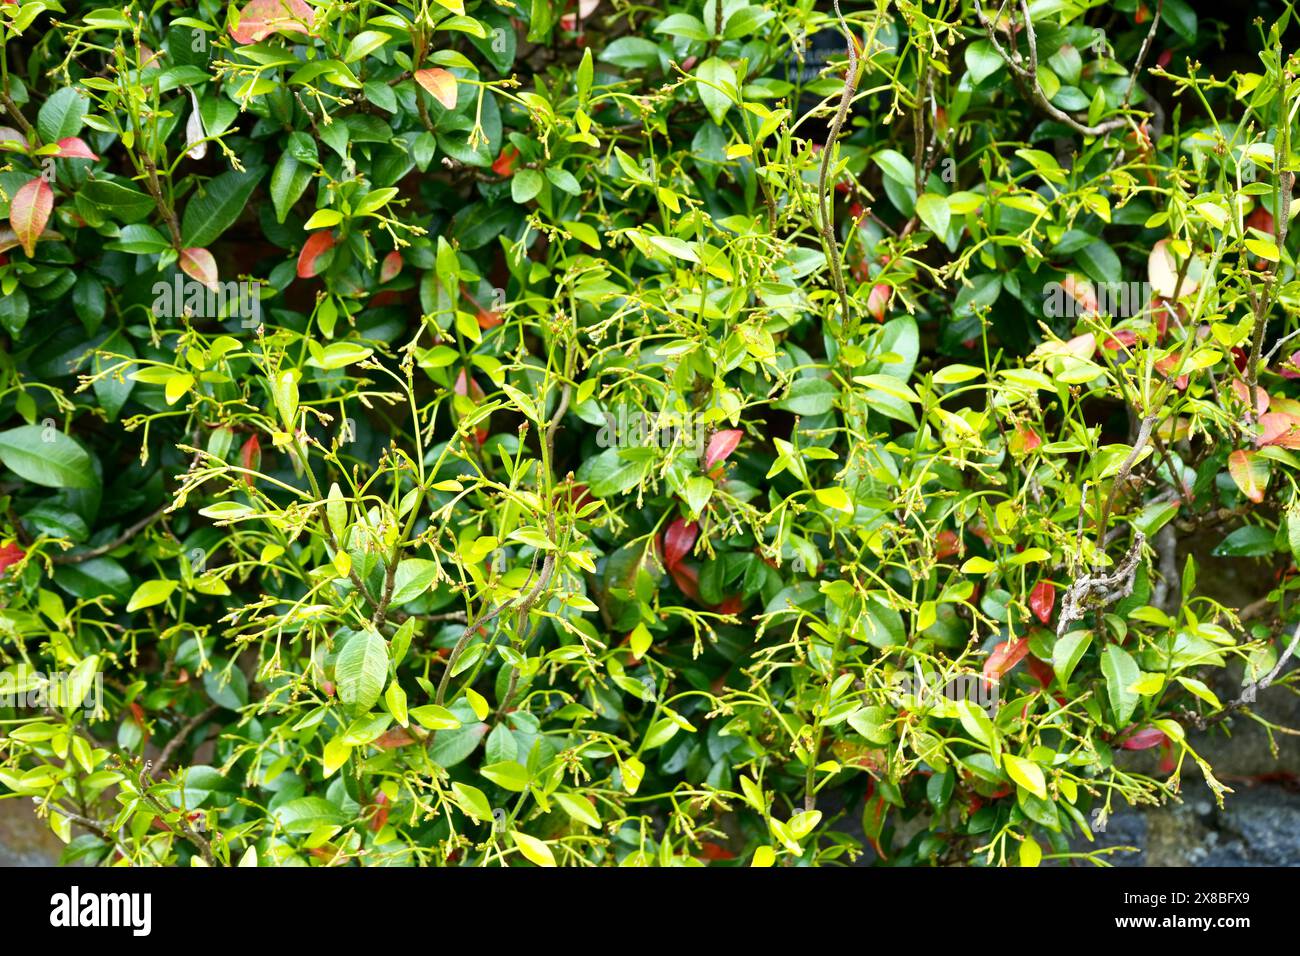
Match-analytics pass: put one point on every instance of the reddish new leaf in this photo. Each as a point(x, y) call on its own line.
point(250, 457)
point(440, 84)
point(585, 9)
point(10, 554)
point(1261, 397)
point(1144, 739)
point(721, 445)
point(199, 264)
point(1004, 657)
point(1041, 670)
point(1023, 440)
point(1081, 291)
point(381, 812)
point(731, 604)
point(712, 851)
point(394, 738)
point(1250, 472)
point(505, 163)
point(260, 18)
point(30, 211)
point(391, 267)
point(946, 544)
point(1042, 599)
point(878, 300)
point(679, 538)
point(313, 250)
point(687, 580)
point(74, 147)
point(1278, 428)
point(1261, 219)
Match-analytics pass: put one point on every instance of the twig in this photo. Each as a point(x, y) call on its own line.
point(121, 539)
point(1028, 75)
point(180, 737)
point(1097, 589)
point(826, 226)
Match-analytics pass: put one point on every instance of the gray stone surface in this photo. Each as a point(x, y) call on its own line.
point(25, 840)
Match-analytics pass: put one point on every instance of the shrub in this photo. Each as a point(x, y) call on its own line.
point(511, 433)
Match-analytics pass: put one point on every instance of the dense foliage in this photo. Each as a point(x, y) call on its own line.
point(510, 433)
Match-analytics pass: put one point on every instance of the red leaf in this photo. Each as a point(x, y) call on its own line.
point(250, 457)
point(1023, 440)
point(440, 84)
point(1261, 219)
point(1004, 657)
point(392, 739)
point(1144, 739)
point(586, 8)
point(316, 246)
point(30, 211)
point(260, 18)
point(468, 387)
point(505, 163)
point(1278, 428)
point(199, 264)
point(1168, 364)
point(381, 813)
point(1081, 291)
point(712, 851)
point(1041, 671)
point(10, 554)
point(687, 580)
point(391, 267)
point(1042, 599)
point(731, 604)
point(1119, 340)
point(679, 538)
point(721, 445)
point(486, 318)
point(878, 300)
point(1250, 472)
point(947, 543)
point(1082, 346)
point(1261, 397)
point(73, 147)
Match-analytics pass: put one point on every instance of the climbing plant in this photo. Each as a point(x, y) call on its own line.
point(477, 432)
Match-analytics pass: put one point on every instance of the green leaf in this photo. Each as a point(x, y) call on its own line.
point(413, 577)
point(808, 396)
point(982, 60)
point(533, 849)
point(578, 808)
point(213, 210)
point(1251, 541)
point(507, 774)
point(717, 83)
point(362, 670)
point(933, 211)
point(149, 594)
point(289, 180)
point(526, 184)
point(1121, 673)
point(62, 115)
point(45, 456)
point(1067, 653)
point(1027, 774)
